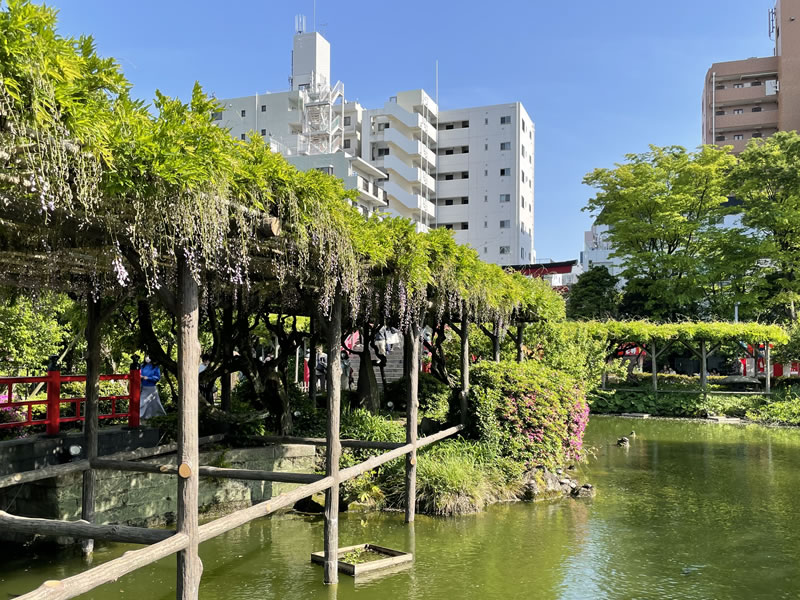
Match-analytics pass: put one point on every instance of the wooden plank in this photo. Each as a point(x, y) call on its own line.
point(190, 568)
point(333, 448)
point(412, 403)
point(107, 572)
point(82, 529)
point(92, 410)
point(222, 473)
point(464, 356)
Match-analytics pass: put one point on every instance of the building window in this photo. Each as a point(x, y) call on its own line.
point(347, 143)
point(738, 136)
point(505, 120)
point(523, 125)
point(241, 137)
point(757, 134)
point(448, 202)
point(464, 124)
point(383, 152)
point(523, 176)
point(505, 249)
point(263, 132)
point(755, 83)
point(523, 151)
point(263, 108)
point(523, 201)
point(244, 113)
point(216, 116)
point(464, 149)
point(505, 145)
point(449, 126)
point(720, 113)
point(485, 250)
point(755, 109)
point(505, 224)
point(738, 111)
point(464, 174)
point(464, 225)
point(522, 253)
point(485, 224)
point(486, 198)
point(486, 172)
point(505, 197)
point(720, 86)
point(738, 85)
point(505, 172)
point(448, 152)
point(719, 138)
point(486, 121)
point(464, 199)
point(485, 146)
point(346, 121)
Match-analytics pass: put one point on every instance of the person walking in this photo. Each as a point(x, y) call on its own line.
point(322, 370)
point(149, 401)
point(206, 389)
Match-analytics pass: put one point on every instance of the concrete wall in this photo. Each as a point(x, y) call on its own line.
point(35, 452)
point(143, 499)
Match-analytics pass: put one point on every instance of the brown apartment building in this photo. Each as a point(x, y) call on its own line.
point(752, 98)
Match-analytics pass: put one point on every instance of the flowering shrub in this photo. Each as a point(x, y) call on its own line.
point(529, 412)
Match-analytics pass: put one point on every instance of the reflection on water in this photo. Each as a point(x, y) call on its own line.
point(690, 510)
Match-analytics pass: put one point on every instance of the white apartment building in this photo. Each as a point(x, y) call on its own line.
point(403, 155)
point(485, 180)
point(597, 251)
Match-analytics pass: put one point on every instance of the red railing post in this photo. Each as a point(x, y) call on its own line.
point(53, 396)
point(134, 389)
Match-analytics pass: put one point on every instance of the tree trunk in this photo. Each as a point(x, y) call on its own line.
point(91, 410)
point(367, 385)
point(312, 360)
point(333, 449)
point(227, 356)
point(464, 392)
point(520, 333)
point(412, 403)
point(190, 568)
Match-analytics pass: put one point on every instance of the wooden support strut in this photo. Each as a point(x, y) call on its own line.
point(654, 365)
point(190, 568)
point(333, 449)
point(767, 368)
point(92, 408)
point(307, 441)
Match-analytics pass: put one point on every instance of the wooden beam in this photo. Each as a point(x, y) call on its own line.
point(222, 473)
point(333, 449)
point(91, 408)
point(412, 404)
point(767, 368)
point(81, 465)
point(308, 441)
point(82, 529)
point(190, 568)
point(654, 365)
point(107, 572)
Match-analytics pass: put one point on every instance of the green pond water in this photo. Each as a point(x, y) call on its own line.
point(690, 510)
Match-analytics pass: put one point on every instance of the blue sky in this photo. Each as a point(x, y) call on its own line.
point(600, 79)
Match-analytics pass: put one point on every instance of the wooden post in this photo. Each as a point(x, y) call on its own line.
point(768, 368)
point(53, 397)
point(412, 402)
point(190, 568)
point(704, 369)
point(497, 327)
point(333, 450)
point(654, 365)
point(520, 333)
point(135, 391)
point(464, 364)
point(91, 410)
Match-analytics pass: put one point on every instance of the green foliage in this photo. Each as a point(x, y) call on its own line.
point(691, 405)
point(31, 330)
point(662, 208)
point(433, 395)
point(785, 410)
point(528, 412)
point(594, 295)
point(576, 348)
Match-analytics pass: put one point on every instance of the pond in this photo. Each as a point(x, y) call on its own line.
point(691, 510)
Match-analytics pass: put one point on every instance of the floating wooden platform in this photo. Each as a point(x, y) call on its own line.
point(636, 415)
point(393, 558)
point(725, 419)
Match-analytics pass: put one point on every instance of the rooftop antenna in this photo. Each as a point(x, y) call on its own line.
point(437, 84)
point(300, 23)
point(314, 17)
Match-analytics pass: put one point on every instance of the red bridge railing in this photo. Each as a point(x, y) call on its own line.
point(54, 401)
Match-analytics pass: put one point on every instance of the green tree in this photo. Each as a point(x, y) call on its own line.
point(767, 181)
point(662, 208)
point(594, 295)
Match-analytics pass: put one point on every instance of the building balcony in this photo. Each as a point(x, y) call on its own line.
point(413, 202)
point(732, 96)
point(368, 192)
point(454, 188)
point(413, 175)
point(412, 147)
point(747, 120)
point(453, 162)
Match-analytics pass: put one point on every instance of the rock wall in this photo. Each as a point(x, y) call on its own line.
point(146, 499)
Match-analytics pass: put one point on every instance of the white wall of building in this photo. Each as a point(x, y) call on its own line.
point(492, 208)
point(597, 251)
